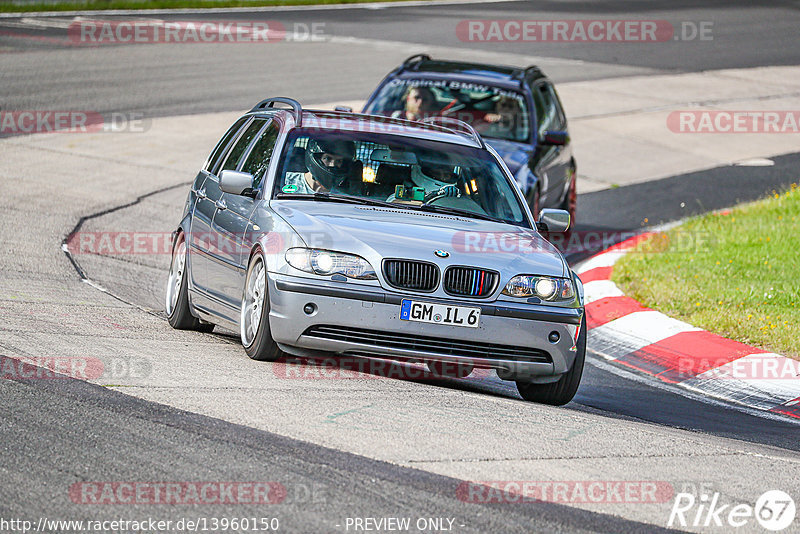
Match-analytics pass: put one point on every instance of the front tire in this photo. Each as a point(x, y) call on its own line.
point(177, 300)
point(254, 319)
point(562, 391)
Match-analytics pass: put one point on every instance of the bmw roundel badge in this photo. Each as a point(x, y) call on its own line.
point(441, 253)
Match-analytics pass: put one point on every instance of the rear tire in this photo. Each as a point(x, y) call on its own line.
point(177, 301)
point(450, 369)
point(254, 318)
point(562, 391)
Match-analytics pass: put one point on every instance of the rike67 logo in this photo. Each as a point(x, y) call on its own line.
point(774, 510)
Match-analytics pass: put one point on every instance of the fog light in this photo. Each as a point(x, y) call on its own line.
point(309, 308)
point(554, 337)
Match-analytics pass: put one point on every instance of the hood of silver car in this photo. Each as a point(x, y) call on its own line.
point(375, 233)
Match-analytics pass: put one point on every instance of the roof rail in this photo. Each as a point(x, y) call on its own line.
point(415, 60)
point(456, 126)
point(297, 109)
point(523, 73)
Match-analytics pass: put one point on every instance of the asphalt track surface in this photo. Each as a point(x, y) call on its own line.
point(57, 432)
point(169, 80)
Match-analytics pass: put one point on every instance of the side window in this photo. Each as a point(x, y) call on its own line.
point(561, 119)
point(548, 109)
point(241, 145)
point(546, 113)
point(258, 160)
point(213, 159)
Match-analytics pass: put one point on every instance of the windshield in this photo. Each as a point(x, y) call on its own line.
point(403, 171)
point(492, 111)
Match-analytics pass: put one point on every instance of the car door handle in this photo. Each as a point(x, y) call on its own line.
point(220, 204)
point(201, 193)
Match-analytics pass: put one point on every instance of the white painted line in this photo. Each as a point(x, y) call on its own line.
point(39, 23)
point(95, 285)
point(755, 162)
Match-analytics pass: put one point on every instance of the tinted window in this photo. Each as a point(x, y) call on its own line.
point(258, 160)
point(213, 159)
point(241, 145)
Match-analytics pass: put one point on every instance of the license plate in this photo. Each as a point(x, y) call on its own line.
point(428, 312)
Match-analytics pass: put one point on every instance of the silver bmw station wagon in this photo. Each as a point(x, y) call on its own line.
point(319, 233)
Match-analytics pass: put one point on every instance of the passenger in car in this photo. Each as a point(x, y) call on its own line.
point(419, 103)
point(503, 120)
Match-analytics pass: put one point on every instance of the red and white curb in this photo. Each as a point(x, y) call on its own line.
point(675, 352)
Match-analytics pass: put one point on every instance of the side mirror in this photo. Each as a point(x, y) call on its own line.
point(553, 221)
point(237, 183)
point(554, 138)
point(348, 109)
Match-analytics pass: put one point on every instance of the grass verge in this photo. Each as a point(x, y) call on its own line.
point(734, 273)
point(102, 5)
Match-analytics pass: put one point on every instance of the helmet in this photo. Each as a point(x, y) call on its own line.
point(434, 171)
point(325, 175)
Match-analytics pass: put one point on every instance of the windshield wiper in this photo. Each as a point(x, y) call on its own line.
point(333, 197)
point(459, 212)
point(352, 199)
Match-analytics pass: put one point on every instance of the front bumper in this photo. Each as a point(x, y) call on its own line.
point(518, 331)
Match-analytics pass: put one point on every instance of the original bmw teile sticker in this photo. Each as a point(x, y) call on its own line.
point(289, 188)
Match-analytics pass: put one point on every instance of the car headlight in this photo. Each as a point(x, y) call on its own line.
point(326, 263)
point(544, 287)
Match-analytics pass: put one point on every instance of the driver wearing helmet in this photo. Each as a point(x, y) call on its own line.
point(329, 164)
point(436, 175)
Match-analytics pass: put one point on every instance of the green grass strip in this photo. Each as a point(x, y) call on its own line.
point(735, 273)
